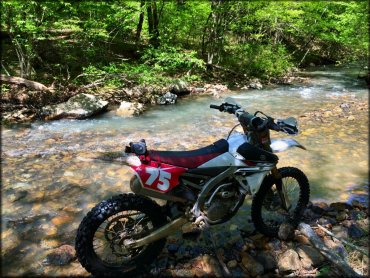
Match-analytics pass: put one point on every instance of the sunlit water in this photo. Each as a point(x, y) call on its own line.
point(45, 174)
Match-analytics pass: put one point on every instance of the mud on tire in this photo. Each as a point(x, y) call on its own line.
point(100, 213)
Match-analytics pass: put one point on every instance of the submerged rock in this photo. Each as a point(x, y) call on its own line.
point(61, 256)
point(77, 107)
point(167, 98)
point(253, 267)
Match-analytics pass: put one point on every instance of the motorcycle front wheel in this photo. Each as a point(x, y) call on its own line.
point(100, 237)
point(268, 210)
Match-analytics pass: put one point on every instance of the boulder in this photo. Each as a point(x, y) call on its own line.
point(289, 261)
point(77, 107)
point(309, 256)
point(180, 88)
point(253, 267)
point(167, 98)
point(129, 109)
point(61, 256)
point(255, 84)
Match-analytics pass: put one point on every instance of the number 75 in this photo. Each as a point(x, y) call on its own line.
point(164, 177)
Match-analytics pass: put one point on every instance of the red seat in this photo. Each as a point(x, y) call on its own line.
point(190, 159)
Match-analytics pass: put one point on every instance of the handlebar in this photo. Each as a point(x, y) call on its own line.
point(218, 107)
point(252, 122)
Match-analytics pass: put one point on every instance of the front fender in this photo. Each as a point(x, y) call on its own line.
point(281, 145)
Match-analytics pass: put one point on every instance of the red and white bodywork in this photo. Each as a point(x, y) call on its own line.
point(161, 170)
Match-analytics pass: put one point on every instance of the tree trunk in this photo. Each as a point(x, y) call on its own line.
point(24, 82)
point(141, 20)
point(153, 23)
point(326, 252)
point(215, 27)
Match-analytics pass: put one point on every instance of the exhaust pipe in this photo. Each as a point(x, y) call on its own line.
point(161, 232)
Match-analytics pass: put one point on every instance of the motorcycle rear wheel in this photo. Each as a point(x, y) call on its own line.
point(100, 236)
point(267, 209)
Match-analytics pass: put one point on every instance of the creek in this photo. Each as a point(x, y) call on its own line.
point(48, 184)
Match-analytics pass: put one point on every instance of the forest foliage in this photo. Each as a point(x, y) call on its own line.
point(153, 41)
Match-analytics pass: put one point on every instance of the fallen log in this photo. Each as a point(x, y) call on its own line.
point(344, 241)
point(325, 251)
point(25, 82)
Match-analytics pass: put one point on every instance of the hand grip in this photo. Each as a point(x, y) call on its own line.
point(215, 107)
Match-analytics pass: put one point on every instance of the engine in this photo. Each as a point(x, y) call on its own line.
point(222, 201)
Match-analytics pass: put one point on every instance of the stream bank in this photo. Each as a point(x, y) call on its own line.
point(21, 104)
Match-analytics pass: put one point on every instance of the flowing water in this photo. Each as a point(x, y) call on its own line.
point(48, 184)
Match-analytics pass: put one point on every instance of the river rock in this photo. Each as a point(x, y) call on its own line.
point(302, 239)
point(267, 260)
point(320, 207)
point(351, 118)
point(167, 98)
point(341, 216)
point(289, 261)
point(357, 204)
point(253, 267)
point(180, 88)
point(363, 223)
point(345, 107)
point(18, 195)
point(129, 109)
point(355, 232)
point(61, 256)
point(339, 206)
point(340, 232)
point(208, 266)
point(309, 256)
point(78, 107)
point(232, 264)
point(255, 84)
point(286, 231)
point(24, 114)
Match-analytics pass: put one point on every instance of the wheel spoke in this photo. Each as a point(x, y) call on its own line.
point(117, 228)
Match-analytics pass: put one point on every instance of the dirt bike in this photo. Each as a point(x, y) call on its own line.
point(207, 186)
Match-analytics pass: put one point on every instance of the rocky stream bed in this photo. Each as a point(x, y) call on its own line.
point(49, 182)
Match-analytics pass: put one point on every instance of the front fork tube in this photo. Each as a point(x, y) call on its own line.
point(281, 189)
